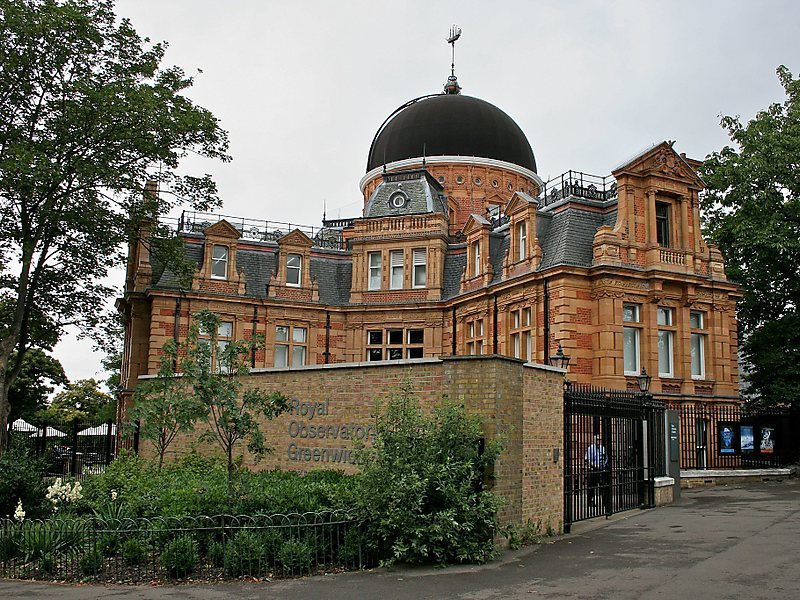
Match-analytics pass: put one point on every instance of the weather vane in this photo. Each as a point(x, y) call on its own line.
point(452, 87)
point(455, 33)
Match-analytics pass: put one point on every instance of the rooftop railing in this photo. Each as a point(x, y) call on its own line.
point(256, 229)
point(580, 185)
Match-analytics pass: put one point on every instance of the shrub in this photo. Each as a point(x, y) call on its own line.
point(22, 479)
point(248, 553)
point(179, 557)
point(37, 540)
point(296, 556)
point(91, 562)
point(47, 564)
point(421, 490)
point(133, 551)
point(216, 554)
point(9, 543)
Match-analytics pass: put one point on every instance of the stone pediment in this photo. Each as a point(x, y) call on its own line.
point(660, 160)
point(295, 238)
point(222, 229)
point(520, 201)
point(475, 223)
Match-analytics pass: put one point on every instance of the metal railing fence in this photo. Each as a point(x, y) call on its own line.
point(203, 547)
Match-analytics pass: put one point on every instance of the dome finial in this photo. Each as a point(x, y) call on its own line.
point(452, 87)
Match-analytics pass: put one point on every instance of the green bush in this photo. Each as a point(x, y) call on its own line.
point(250, 552)
point(22, 478)
point(216, 554)
point(422, 490)
point(47, 564)
point(55, 538)
point(91, 562)
point(9, 543)
point(296, 556)
point(133, 551)
point(179, 557)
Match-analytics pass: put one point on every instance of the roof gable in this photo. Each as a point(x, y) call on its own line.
point(222, 229)
point(295, 238)
point(660, 159)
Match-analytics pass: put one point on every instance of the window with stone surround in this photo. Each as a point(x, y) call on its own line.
point(522, 240)
point(520, 333)
point(291, 346)
point(224, 337)
point(474, 337)
point(666, 339)
point(630, 338)
point(375, 271)
point(698, 344)
point(294, 268)
point(219, 262)
point(395, 343)
point(396, 269)
point(475, 250)
point(662, 224)
point(420, 265)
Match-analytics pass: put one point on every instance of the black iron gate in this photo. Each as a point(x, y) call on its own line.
point(614, 447)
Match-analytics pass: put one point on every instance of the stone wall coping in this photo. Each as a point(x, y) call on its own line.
point(391, 363)
point(706, 473)
point(663, 481)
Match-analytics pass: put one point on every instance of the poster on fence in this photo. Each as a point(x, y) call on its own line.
point(747, 437)
point(727, 437)
point(767, 440)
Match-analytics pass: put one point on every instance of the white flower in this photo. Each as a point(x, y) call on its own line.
point(19, 513)
point(62, 492)
point(114, 495)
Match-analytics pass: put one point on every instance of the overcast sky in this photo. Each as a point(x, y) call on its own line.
point(302, 86)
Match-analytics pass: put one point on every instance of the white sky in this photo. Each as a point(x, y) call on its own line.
point(303, 86)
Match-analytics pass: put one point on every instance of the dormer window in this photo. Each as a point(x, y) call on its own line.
point(476, 258)
point(398, 200)
point(522, 239)
point(294, 264)
point(219, 262)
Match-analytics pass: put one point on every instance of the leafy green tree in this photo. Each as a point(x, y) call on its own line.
point(215, 369)
point(87, 116)
point(81, 401)
point(751, 211)
point(421, 490)
point(39, 374)
point(165, 406)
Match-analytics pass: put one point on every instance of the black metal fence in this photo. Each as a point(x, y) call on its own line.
point(614, 444)
point(70, 449)
point(206, 547)
point(732, 436)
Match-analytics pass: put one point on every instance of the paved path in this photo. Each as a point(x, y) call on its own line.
point(725, 542)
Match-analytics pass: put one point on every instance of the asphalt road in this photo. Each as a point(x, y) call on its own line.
point(725, 542)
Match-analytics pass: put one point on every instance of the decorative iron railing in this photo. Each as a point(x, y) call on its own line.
point(203, 547)
point(257, 229)
point(578, 184)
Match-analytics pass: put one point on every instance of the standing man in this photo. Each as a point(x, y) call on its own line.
point(597, 461)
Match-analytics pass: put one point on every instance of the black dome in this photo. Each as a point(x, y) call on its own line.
point(451, 124)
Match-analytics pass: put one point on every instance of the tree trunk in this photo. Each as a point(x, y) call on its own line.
point(230, 476)
point(5, 410)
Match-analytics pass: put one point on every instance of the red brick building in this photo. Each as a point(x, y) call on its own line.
point(463, 249)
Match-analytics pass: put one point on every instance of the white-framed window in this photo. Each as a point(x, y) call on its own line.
point(224, 337)
point(521, 333)
point(476, 258)
point(698, 344)
point(291, 346)
point(522, 240)
point(630, 339)
point(420, 263)
point(666, 337)
point(219, 262)
point(375, 272)
point(396, 269)
point(294, 267)
point(474, 337)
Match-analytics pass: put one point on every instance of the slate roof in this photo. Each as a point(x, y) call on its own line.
point(454, 265)
point(334, 278)
point(422, 198)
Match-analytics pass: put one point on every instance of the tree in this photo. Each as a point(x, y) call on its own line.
point(215, 370)
point(87, 116)
point(82, 401)
point(752, 212)
point(164, 407)
point(32, 388)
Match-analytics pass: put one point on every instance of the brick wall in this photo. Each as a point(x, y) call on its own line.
point(333, 405)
